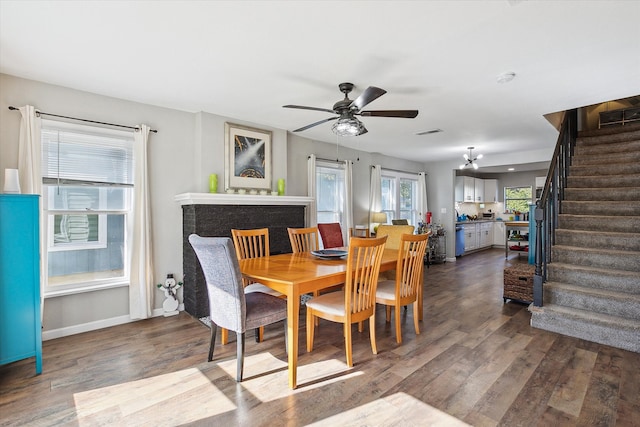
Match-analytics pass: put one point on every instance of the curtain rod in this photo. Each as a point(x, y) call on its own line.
point(397, 170)
point(330, 160)
point(84, 120)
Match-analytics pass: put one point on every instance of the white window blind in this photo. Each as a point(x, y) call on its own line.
point(77, 155)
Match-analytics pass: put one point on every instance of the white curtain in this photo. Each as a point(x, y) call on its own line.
point(421, 204)
point(29, 154)
point(141, 287)
point(348, 200)
point(312, 215)
point(375, 191)
point(29, 160)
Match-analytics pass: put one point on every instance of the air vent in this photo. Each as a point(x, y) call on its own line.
point(428, 132)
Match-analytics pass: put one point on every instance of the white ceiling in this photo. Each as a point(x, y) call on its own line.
point(245, 59)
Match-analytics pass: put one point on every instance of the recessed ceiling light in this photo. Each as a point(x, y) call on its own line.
point(506, 77)
point(511, 169)
point(427, 132)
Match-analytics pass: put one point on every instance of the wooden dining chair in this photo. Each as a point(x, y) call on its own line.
point(405, 289)
point(303, 239)
point(331, 234)
point(229, 306)
point(357, 302)
point(253, 243)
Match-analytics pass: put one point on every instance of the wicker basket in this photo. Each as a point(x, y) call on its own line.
point(518, 283)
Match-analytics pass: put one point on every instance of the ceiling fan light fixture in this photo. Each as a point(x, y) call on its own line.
point(347, 126)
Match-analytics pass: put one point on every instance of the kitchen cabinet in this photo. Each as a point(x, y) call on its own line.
point(470, 237)
point(490, 190)
point(469, 189)
point(465, 189)
point(478, 190)
point(485, 234)
point(20, 326)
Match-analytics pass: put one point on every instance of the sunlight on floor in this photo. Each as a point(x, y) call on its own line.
point(266, 376)
point(142, 400)
point(397, 409)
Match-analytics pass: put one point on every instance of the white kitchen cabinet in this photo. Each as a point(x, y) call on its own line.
point(490, 190)
point(478, 190)
point(498, 233)
point(470, 237)
point(469, 188)
point(485, 235)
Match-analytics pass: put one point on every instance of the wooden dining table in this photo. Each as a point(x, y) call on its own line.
point(298, 274)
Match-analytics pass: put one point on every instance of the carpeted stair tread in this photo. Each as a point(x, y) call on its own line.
point(586, 148)
point(617, 223)
point(600, 181)
point(597, 327)
point(594, 207)
point(594, 171)
point(609, 239)
point(606, 158)
point(597, 257)
point(602, 194)
point(605, 301)
point(595, 277)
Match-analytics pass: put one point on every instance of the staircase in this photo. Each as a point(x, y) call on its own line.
point(593, 282)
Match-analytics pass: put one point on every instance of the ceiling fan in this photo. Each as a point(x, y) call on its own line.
point(347, 124)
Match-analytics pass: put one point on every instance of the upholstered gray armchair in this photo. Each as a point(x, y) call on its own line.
point(229, 306)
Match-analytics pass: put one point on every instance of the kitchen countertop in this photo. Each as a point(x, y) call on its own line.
point(477, 220)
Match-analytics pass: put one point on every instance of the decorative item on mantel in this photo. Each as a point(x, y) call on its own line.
point(281, 187)
point(170, 287)
point(213, 183)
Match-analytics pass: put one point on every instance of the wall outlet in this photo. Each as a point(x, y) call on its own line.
point(443, 210)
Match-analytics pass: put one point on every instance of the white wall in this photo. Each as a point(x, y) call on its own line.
point(186, 149)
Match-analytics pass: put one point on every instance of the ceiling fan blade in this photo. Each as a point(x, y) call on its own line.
point(315, 124)
point(370, 94)
point(407, 114)
point(302, 107)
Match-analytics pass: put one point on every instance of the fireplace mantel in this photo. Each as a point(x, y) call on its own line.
point(240, 199)
point(214, 214)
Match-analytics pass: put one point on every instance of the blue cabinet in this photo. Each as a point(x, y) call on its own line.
point(20, 325)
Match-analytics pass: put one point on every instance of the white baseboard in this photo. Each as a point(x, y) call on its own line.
point(98, 324)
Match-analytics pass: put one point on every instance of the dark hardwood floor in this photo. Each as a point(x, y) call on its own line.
point(477, 362)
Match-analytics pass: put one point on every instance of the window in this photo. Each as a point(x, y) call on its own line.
point(517, 199)
point(87, 175)
point(399, 196)
point(330, 192)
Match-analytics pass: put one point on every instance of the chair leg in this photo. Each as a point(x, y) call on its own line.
point(240, 356)
point(372, 333)
point(286, 337)
point(398, 327)
point(347, 344)
point(224, 336)
point(310, 329)
point(388, 311)
point(360, 326)
point(260, 334)
point(416, 320)
point(212, 343)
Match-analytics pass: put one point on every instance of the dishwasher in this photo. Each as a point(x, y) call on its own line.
point(459, 240)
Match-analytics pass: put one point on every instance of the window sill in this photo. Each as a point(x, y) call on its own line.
point(79, 289)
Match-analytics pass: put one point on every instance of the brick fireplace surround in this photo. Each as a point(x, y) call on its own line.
point(216, 214)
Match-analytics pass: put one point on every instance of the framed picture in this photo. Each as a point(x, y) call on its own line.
point(247, 157)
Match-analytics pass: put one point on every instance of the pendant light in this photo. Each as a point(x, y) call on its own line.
point(469, 159)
